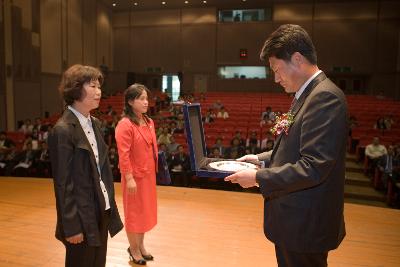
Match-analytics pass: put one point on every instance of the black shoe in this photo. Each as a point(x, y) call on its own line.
point(148, 257)
point(139, 262)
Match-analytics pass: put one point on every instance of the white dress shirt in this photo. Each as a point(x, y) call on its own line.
point(87, 127)
point(303, 87)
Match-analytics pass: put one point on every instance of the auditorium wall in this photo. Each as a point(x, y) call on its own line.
point(48, 36)
point(3, 110)
point(361, 39)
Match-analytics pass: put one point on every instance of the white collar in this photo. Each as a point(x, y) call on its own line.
point(82, 119)
point(303, 87)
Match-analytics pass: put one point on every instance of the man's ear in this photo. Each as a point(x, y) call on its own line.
point(297, 59)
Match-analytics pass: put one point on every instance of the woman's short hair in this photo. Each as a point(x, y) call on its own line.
point(73, 79)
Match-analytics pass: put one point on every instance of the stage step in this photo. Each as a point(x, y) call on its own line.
point(363, 193)
point(365, 202)
point(351, 157)
point(353, 166)
point(357, 178)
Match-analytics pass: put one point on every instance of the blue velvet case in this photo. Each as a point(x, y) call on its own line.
point(197, 145)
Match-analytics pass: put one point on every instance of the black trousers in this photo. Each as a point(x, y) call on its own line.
point(83, 255)
point(288, 258)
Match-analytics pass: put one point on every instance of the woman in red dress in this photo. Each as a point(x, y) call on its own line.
point(137, 149)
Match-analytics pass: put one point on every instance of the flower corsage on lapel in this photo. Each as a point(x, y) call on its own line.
point(282, 124)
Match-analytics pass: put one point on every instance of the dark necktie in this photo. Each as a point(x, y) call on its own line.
point(294, 101)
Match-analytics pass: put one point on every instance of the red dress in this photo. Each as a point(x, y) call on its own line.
point(137, 150)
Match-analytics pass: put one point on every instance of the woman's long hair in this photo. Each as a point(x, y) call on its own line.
point(134, 92)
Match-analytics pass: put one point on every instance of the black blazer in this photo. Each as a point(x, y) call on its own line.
point(303, 186)
point(79, 200)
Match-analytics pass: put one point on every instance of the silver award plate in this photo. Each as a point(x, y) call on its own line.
point(232, 166)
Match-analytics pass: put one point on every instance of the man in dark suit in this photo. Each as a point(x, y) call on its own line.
point(303, 181)
point(83, 181)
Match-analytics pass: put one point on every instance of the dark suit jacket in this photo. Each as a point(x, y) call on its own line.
point(303, 186)
point(80, 202)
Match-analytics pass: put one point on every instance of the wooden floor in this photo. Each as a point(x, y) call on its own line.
point(197, 227)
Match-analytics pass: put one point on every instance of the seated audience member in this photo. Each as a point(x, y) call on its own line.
point(164, 138)
point(110, 111)
point(5, 143)
point(172, 147)
point(389, 122)
point(268, 115)
point(253, 148)
point(352, 124)
point(222, 113)
point(269, 146)
point(114, 161)
point(172, 128)
point(42, 161)
point(180, 167)
point(219, 145)
point(215, 153)
point(46, 130)
point(373, 152)
point(163, 147)
point(253, 139)
point(159, 130)
point(208, 118)
point(268, 137)
point(202, 97)
point(217, 105)
point(6, 146)
point(38, 125)
point(30, 140)
point(26, 127)
point(235, 150)
point(386, 164)
point(9, 160)
point(25, 160)
point(238, 136)
point(180, 124)
point(380, 124)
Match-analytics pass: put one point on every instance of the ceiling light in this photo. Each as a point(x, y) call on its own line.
point(204, 2)
point(114, 4)
point(186, 2)
point(135, 3)
point(243, 0)
point(163, 3)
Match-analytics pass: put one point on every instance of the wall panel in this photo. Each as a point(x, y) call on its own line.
point(89, 32)
point(104, 28)
point(51, 37)
point(293, 12)
point(74, 32)
point(199, 15)
point(346, 43)
point(198, 48)
point(155, 47)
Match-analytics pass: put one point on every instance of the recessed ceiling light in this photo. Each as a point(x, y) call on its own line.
point(244, 0)
point(135, 3)
point(186, 2)
point(163, 3)
point(114, 4)
point(204, 2)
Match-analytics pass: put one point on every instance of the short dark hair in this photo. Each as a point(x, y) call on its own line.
point(74, 78)
point(285, 41)
point(131, 93)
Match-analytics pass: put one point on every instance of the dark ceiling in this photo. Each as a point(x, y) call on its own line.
point(129, 5)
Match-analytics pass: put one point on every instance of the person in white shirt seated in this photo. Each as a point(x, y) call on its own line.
point(223, 114)
point(374, 152)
